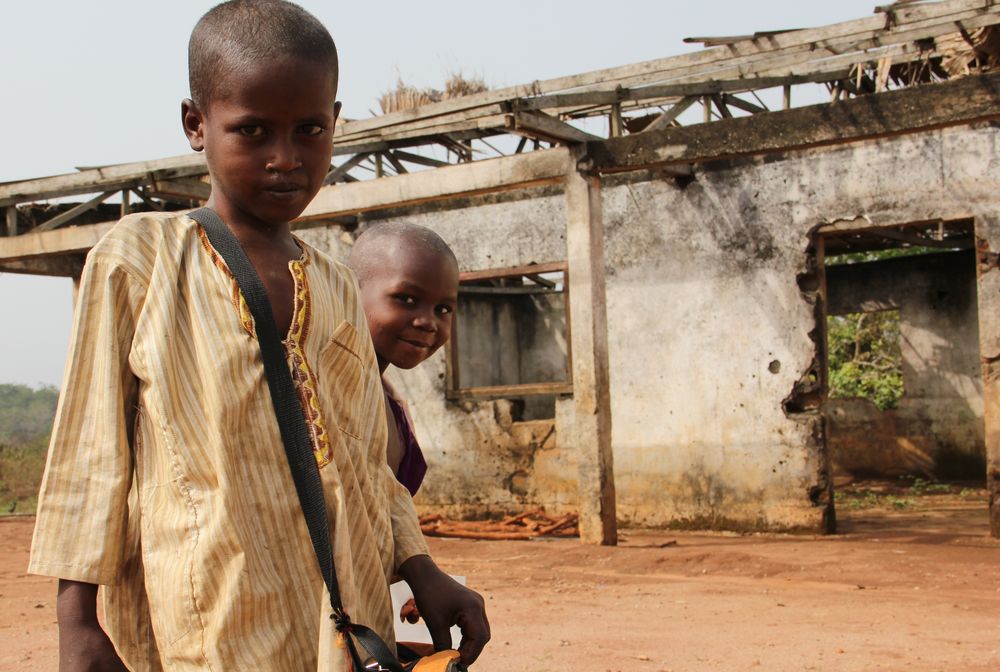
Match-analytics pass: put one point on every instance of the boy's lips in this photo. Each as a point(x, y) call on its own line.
point(418, 344)
point(284, 187)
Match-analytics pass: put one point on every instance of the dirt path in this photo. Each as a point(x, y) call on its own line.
point(916, 590)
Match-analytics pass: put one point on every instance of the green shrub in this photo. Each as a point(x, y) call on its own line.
point(864, 357)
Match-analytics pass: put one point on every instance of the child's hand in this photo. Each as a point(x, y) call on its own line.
point(83, 645)
point(443, 602)
point(409, 612)
point(86, 648)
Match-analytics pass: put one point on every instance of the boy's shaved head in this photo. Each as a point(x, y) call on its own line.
point(231, 37)
point(375, 244)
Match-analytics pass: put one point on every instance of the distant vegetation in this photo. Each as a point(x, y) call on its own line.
point(26, 416)
point(864, 357)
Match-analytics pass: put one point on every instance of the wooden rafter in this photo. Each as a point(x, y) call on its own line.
point(859, 57)
point(540, 125)
point(340, 172)
point(189, 189)
point(73, 212)
point(668, 117)
point(396, 163)
point(419, 159)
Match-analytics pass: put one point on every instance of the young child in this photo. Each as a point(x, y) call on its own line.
point(409, 288)
point(167, 481)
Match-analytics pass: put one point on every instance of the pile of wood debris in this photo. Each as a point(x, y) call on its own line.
point(527, 525)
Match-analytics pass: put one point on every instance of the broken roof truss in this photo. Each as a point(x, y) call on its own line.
point(901, 45)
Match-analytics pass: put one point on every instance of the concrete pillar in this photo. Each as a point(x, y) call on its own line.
point(988, 290)
point(591, 435)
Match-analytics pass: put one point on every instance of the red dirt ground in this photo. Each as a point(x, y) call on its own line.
point(915, 590)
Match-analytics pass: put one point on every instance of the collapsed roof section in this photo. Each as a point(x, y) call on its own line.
point(901, 45)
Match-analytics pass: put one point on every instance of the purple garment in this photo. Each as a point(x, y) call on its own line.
point(412, 467)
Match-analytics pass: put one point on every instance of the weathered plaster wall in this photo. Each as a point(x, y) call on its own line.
point(710, 317)
point(937, 429)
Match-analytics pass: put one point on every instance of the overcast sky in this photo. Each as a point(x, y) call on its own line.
point(88, 84)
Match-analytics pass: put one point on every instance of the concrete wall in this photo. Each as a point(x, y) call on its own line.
point(937, 429)
point(711, 311)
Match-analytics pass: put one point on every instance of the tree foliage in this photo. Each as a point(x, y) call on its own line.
point(26, 416)
point(878, 255)
point(26, 413)
point(864, 357)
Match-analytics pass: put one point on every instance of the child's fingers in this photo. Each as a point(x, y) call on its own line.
point(475, 634)
point(409, 612)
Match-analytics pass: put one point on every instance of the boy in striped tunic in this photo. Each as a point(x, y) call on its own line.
point(167, 483)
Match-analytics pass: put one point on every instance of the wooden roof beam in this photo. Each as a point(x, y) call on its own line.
point(667, 118)
point(540, 125)
point(110, 178)
point(62, 266)
point(418, 159)
point(74, 212)
point(340, 172)
point(182, 188)
point(962, 101)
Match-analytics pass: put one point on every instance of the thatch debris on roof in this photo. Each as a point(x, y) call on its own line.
point(970, 52)
point(407, 97)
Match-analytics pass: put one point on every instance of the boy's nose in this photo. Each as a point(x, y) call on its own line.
point(425, 322)
point(283, 158)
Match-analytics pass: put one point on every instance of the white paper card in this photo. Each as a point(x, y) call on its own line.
point(416, 632)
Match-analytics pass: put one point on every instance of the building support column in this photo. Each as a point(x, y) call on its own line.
point(591, 435)
point(988, 294)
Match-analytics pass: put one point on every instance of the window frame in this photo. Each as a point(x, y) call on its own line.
point(453, 390)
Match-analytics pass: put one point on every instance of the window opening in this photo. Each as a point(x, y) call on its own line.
point(511, 338)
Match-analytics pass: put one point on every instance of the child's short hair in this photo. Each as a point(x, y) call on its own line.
point(237, 33)
point(364, 259)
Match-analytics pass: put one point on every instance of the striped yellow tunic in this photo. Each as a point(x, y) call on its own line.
point(167, 481)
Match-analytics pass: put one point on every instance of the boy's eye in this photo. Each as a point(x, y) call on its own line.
point(445, 310)
point(405, 298)
point(311, 129)
point(252, 131)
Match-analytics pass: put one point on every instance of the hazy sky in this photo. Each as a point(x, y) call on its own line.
point(88, 84)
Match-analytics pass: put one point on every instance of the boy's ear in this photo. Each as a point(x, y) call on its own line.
point(336, 112)
point(192, 120)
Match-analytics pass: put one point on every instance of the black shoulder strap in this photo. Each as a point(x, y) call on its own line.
point(294, 433)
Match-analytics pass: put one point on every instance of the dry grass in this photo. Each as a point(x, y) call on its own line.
point(407, 97)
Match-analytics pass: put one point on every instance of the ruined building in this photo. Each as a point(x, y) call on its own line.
point(647, 256)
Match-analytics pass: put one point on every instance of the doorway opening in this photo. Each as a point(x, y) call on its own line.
point(904, 405)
